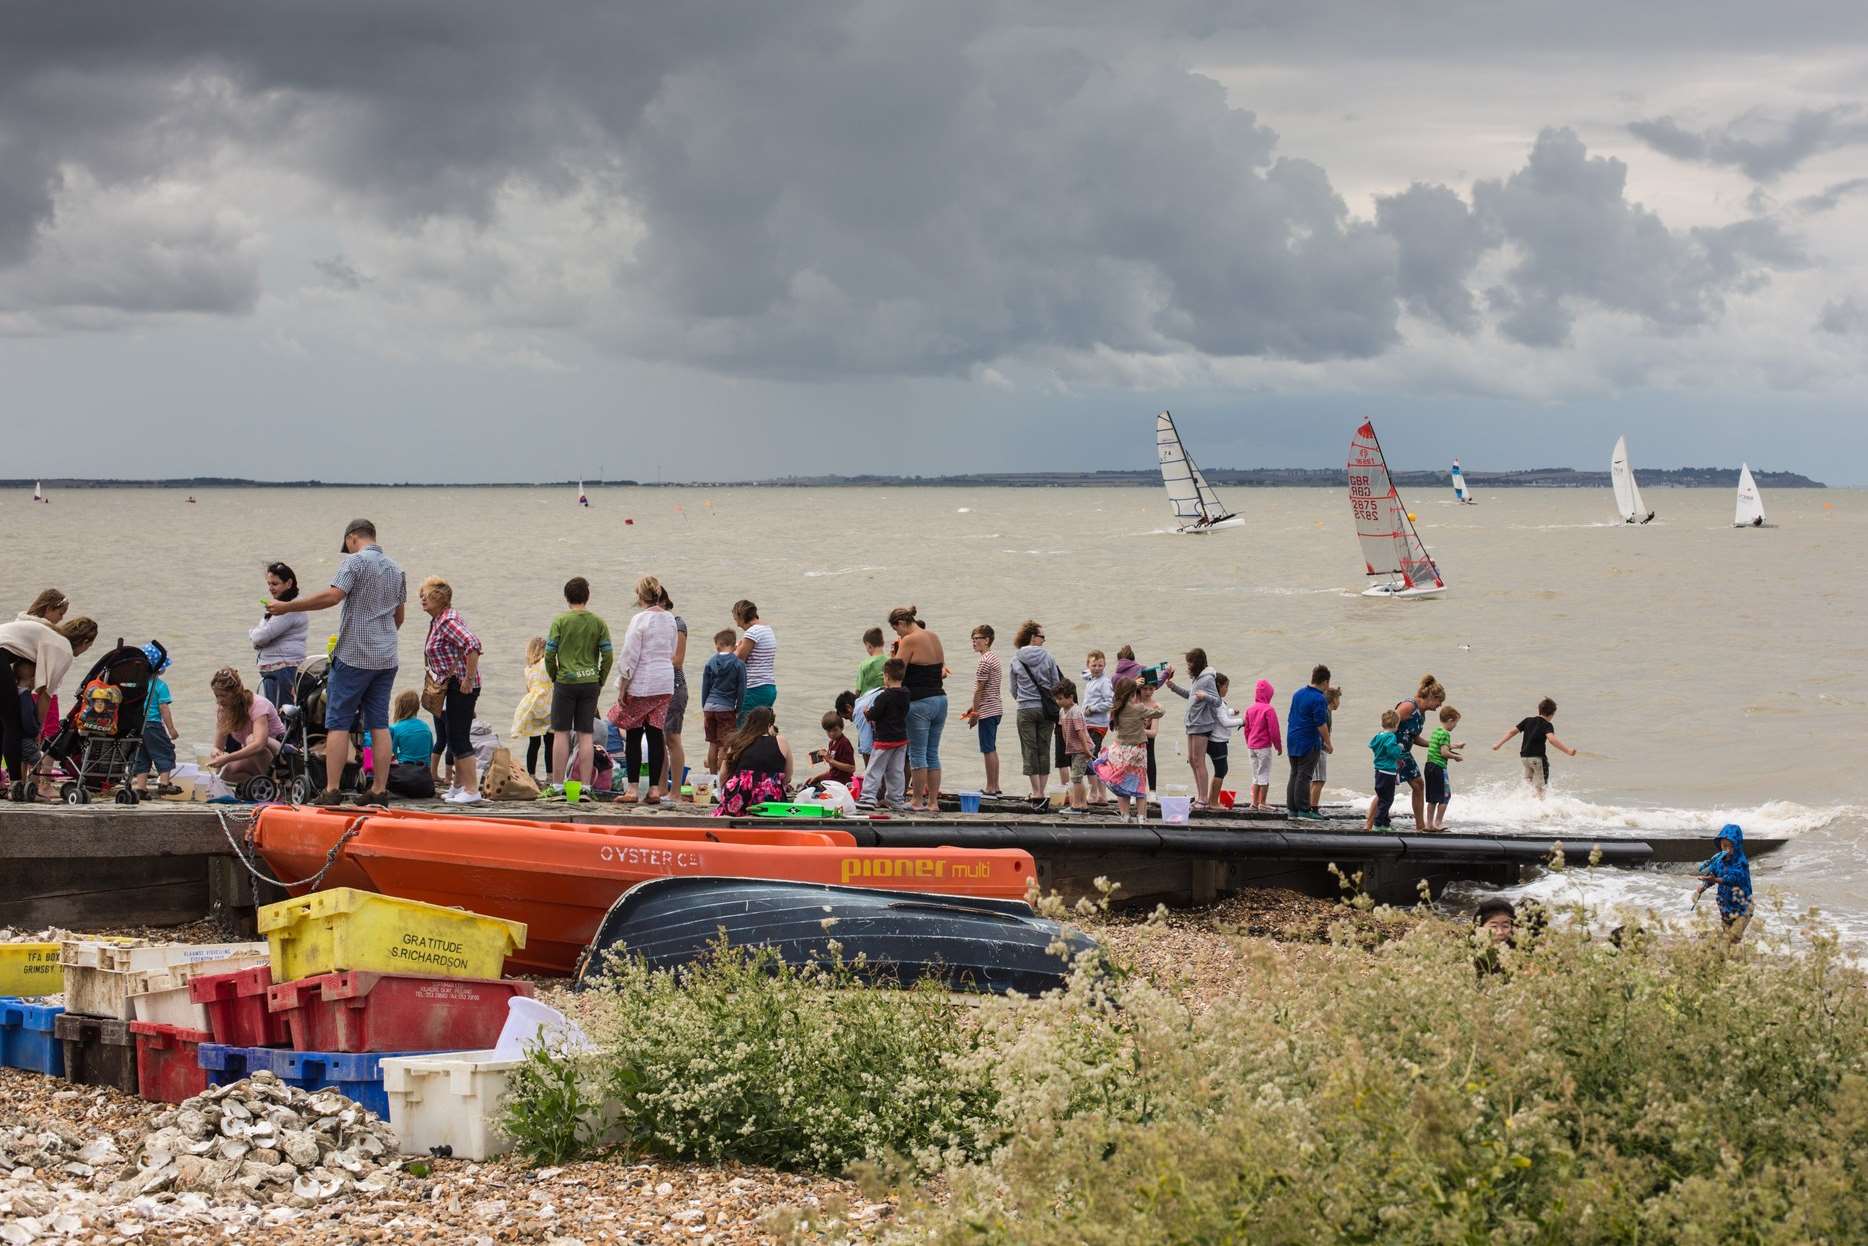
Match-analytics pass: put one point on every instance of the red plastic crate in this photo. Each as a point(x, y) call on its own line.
point(168, 1064)
point(237, 1011)
point(357, 1011)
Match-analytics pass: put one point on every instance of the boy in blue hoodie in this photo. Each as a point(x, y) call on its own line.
point(1388, 751)
point(1730, 871)
point(723, 687)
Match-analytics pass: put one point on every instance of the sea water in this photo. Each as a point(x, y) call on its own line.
point(1706, 674)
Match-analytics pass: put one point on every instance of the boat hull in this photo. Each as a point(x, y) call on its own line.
point(560, 879)
point(1399, 592)
point(1230, 521)
point(990, 946)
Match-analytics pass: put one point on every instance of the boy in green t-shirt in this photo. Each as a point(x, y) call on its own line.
point(869, 674)
point(578, 657)
point(1440, 750)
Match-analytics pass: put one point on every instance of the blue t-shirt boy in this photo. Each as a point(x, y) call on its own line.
point(1387, 749)
point(1310, 709)
point(158, 697)
point(723, 682)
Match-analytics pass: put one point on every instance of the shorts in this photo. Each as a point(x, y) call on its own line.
point(764, 694)
point(157, 750)
point(355, 697)
point(677, 713)
point(574, 707)
point(717, 725)
point(1407, 769)
point(1439, 791)
point(1536, 771)
point(1079, 766)
point(1261, 766)
point(1218, 757)
point(988, 735)
point(1322, 770)
point(1034, 740)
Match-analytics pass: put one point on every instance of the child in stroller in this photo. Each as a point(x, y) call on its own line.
point(290, 778)
point(103, 732)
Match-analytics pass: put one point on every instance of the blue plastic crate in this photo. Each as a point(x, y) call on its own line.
point(358, 1077)
point(26, 1037)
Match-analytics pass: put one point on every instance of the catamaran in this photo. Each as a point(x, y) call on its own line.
point(1750, 512)
point(1627, 492)
point(1195, 504)
point(583, 499)
point(1461, 493)
point(1391, 548)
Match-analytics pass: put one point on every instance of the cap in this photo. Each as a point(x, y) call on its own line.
point(356, 525)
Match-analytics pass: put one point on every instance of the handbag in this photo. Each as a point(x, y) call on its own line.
point(1046, 702)
point(434, 693)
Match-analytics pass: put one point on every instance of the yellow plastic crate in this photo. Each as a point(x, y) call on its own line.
point(30, 969)
point(342, 929)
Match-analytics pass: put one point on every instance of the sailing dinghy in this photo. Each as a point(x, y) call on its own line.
point(1461, 493)
point(38, 492)
point(583, 499)
point(1750, 512)
point(1627, 492)
point(1196, 506)
point(1391, 548)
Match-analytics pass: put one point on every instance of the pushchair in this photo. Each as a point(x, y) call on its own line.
point(97, 744)
point(290, 779)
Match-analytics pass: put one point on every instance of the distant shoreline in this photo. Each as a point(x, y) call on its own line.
point(1270, 477)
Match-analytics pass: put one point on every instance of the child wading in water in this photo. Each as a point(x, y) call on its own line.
point(1531, 754)
point(1388, 756)
point(1440, 750)
point(1079, 749)
point(1729, 871)
point(1123, 767)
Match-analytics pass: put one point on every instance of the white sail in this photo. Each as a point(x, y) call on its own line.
point(1192, 497)
point(1390, 545)
point(1627, 491)
point(1460, 493)
point(583, 499)
point(1750, 512)
point(38, 492)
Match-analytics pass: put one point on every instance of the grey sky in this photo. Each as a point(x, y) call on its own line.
point(443, 239)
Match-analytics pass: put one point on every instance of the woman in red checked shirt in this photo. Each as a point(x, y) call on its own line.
point(452, 656)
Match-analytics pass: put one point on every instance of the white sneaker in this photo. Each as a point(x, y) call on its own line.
point(462, 796)
point(452, 792)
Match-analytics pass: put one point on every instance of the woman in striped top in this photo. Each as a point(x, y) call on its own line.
point(758, 649)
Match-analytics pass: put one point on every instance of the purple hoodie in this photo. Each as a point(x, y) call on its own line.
point(1261, 720)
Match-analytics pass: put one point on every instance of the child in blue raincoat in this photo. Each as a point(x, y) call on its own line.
point(1730, 872)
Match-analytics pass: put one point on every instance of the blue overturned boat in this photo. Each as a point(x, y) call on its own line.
point(890, 937)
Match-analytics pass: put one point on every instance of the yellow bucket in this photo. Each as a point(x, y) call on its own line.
point(332, 931)
point(30, 969)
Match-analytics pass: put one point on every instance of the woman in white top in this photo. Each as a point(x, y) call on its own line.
point(645, 680)
point(758, 649)
point(34, 657)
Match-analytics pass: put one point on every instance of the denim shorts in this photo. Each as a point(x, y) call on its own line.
point(927, 718)
point(988, 735)
point(157, 750)
point(355, 693)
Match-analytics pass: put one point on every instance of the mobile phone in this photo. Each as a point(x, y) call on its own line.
point(817, 754)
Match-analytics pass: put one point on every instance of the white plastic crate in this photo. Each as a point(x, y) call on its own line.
point(101, 976)
point(451, 1099)
point(161, 995)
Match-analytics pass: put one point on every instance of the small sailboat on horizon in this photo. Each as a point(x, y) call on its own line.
point(1196, 505)
point(583, 499)
point(1627, 492)
point(1391, 547)
point(38, 493)
point(1750, 510)
point(1461, 493)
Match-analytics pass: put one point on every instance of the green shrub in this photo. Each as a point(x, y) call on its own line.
point(1669, 1090)
point(551, 1106)
point(749, 1059)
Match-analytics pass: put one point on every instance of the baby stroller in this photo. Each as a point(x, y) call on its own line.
point(290, 779)
point(98, 742)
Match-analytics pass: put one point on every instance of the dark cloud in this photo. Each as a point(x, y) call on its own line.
point(1830, 197)
point(1763, 147)
point(1846, 316)
point(823, 188)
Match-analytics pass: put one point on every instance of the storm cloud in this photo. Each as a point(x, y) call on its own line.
point(805, 191)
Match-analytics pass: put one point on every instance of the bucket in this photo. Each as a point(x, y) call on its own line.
point(1226, 798)
point(969, 802)
point(528, 1021)
point(1175, 809)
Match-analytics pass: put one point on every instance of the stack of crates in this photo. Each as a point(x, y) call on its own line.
point(125, 1024)
point(353, 977)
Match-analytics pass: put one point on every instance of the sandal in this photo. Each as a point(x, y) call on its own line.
point(626, 798)
point(168, 789)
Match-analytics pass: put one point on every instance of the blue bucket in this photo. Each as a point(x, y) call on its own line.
point(969, 802)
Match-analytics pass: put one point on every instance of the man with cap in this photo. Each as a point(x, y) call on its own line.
point(374, 594)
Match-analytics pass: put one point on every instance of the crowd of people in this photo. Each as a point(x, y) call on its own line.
point(1097, 733)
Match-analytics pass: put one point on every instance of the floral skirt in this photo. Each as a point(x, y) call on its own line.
point(745, 788)
point(632, 712)
point(1123, 768)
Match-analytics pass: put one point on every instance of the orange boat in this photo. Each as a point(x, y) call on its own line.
point(560, 878)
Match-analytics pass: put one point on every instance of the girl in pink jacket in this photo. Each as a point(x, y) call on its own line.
point(1263, 738)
